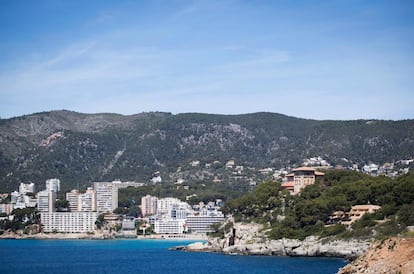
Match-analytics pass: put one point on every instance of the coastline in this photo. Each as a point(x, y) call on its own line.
point(310, 247)
point(99, 236)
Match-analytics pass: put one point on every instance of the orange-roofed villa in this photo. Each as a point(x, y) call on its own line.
point(300, 178)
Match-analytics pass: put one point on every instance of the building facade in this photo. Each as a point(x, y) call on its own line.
point(169, 226)
point(73, 199)
point(68, 222)
point(202, 223)
point(26, 188)
point(87, 200)
point(106, 196)
point(46, 201)
point(53, 185)
point(149, 205)
point(300, 178)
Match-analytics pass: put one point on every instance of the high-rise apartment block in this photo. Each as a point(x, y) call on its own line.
point(85, 202)
point(53, 185)
point(46, 201)
point(149, 205)
point(73, 199)
point(26, 188)
point(106, 196)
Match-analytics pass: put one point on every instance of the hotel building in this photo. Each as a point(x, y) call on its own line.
point(82, 201)
point(69, 222)
point(46, 201)
point(106, 196)
point(202, 223)
point(170, 226)
point(149, 205)
point(26, 188)
point(53, 185)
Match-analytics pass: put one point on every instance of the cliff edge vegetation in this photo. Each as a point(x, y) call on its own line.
point(311, 212)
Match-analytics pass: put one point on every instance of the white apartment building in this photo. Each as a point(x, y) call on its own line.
point(69, 222)
point(202, 223)
point(14, 196)
point(106, 196)
point(53, 185)
point(87, 200)
point(149, 205)
point(26, 188)
point(46, 201)
point(169, 226)
point(82, 201)
point(120, 184)
point(165, 205)
point(73, 198)
point(178, 212)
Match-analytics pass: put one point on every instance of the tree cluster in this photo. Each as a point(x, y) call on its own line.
point(309, 212)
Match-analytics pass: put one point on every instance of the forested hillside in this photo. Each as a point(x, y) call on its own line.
point(81, 148)
point(307, 214)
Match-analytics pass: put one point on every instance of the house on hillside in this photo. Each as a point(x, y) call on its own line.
point(300, 178)
point(357, 211)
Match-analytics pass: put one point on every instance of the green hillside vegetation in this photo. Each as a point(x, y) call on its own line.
point(88, 144)
point(306, 214)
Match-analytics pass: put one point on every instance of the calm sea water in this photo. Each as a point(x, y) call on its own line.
point(142, 256)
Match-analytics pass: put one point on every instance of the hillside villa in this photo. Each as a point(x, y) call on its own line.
point(300, 178)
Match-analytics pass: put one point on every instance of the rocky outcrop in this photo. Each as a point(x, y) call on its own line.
point(395, 255)
point(250, 239)
point(311, 246)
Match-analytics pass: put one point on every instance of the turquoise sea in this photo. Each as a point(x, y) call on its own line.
point(142, 256)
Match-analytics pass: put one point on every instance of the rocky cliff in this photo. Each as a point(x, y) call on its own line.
point(395, 255)
point(250, 239)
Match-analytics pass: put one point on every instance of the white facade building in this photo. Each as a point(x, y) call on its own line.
point(14, 196)
point(46, 201)
point(53, 185)
point(73, 199)
point(165, 205)
point(26, 188)
point(120, 184)
point(85, 202)
point(69, 222)
point(169, 226)
point(149, 205)
point(106, 196)
point(202, 223)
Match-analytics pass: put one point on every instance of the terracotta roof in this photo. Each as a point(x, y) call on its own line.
point(307, 168)
point(290, 175)
point(288, 184)
point(304, 168)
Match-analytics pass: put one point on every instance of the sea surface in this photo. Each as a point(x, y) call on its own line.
point(142, 256)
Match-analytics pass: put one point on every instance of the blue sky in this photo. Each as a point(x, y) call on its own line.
point(342, 60)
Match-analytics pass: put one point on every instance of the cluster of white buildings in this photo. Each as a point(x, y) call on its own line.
point(84, 207)
point(167, 215)
point(20, 199)
point(173, 216)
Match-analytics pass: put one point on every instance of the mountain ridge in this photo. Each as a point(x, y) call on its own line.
point(78, 146)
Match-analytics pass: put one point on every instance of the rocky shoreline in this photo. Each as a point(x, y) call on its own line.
point(249, 239)
point(310, 247)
